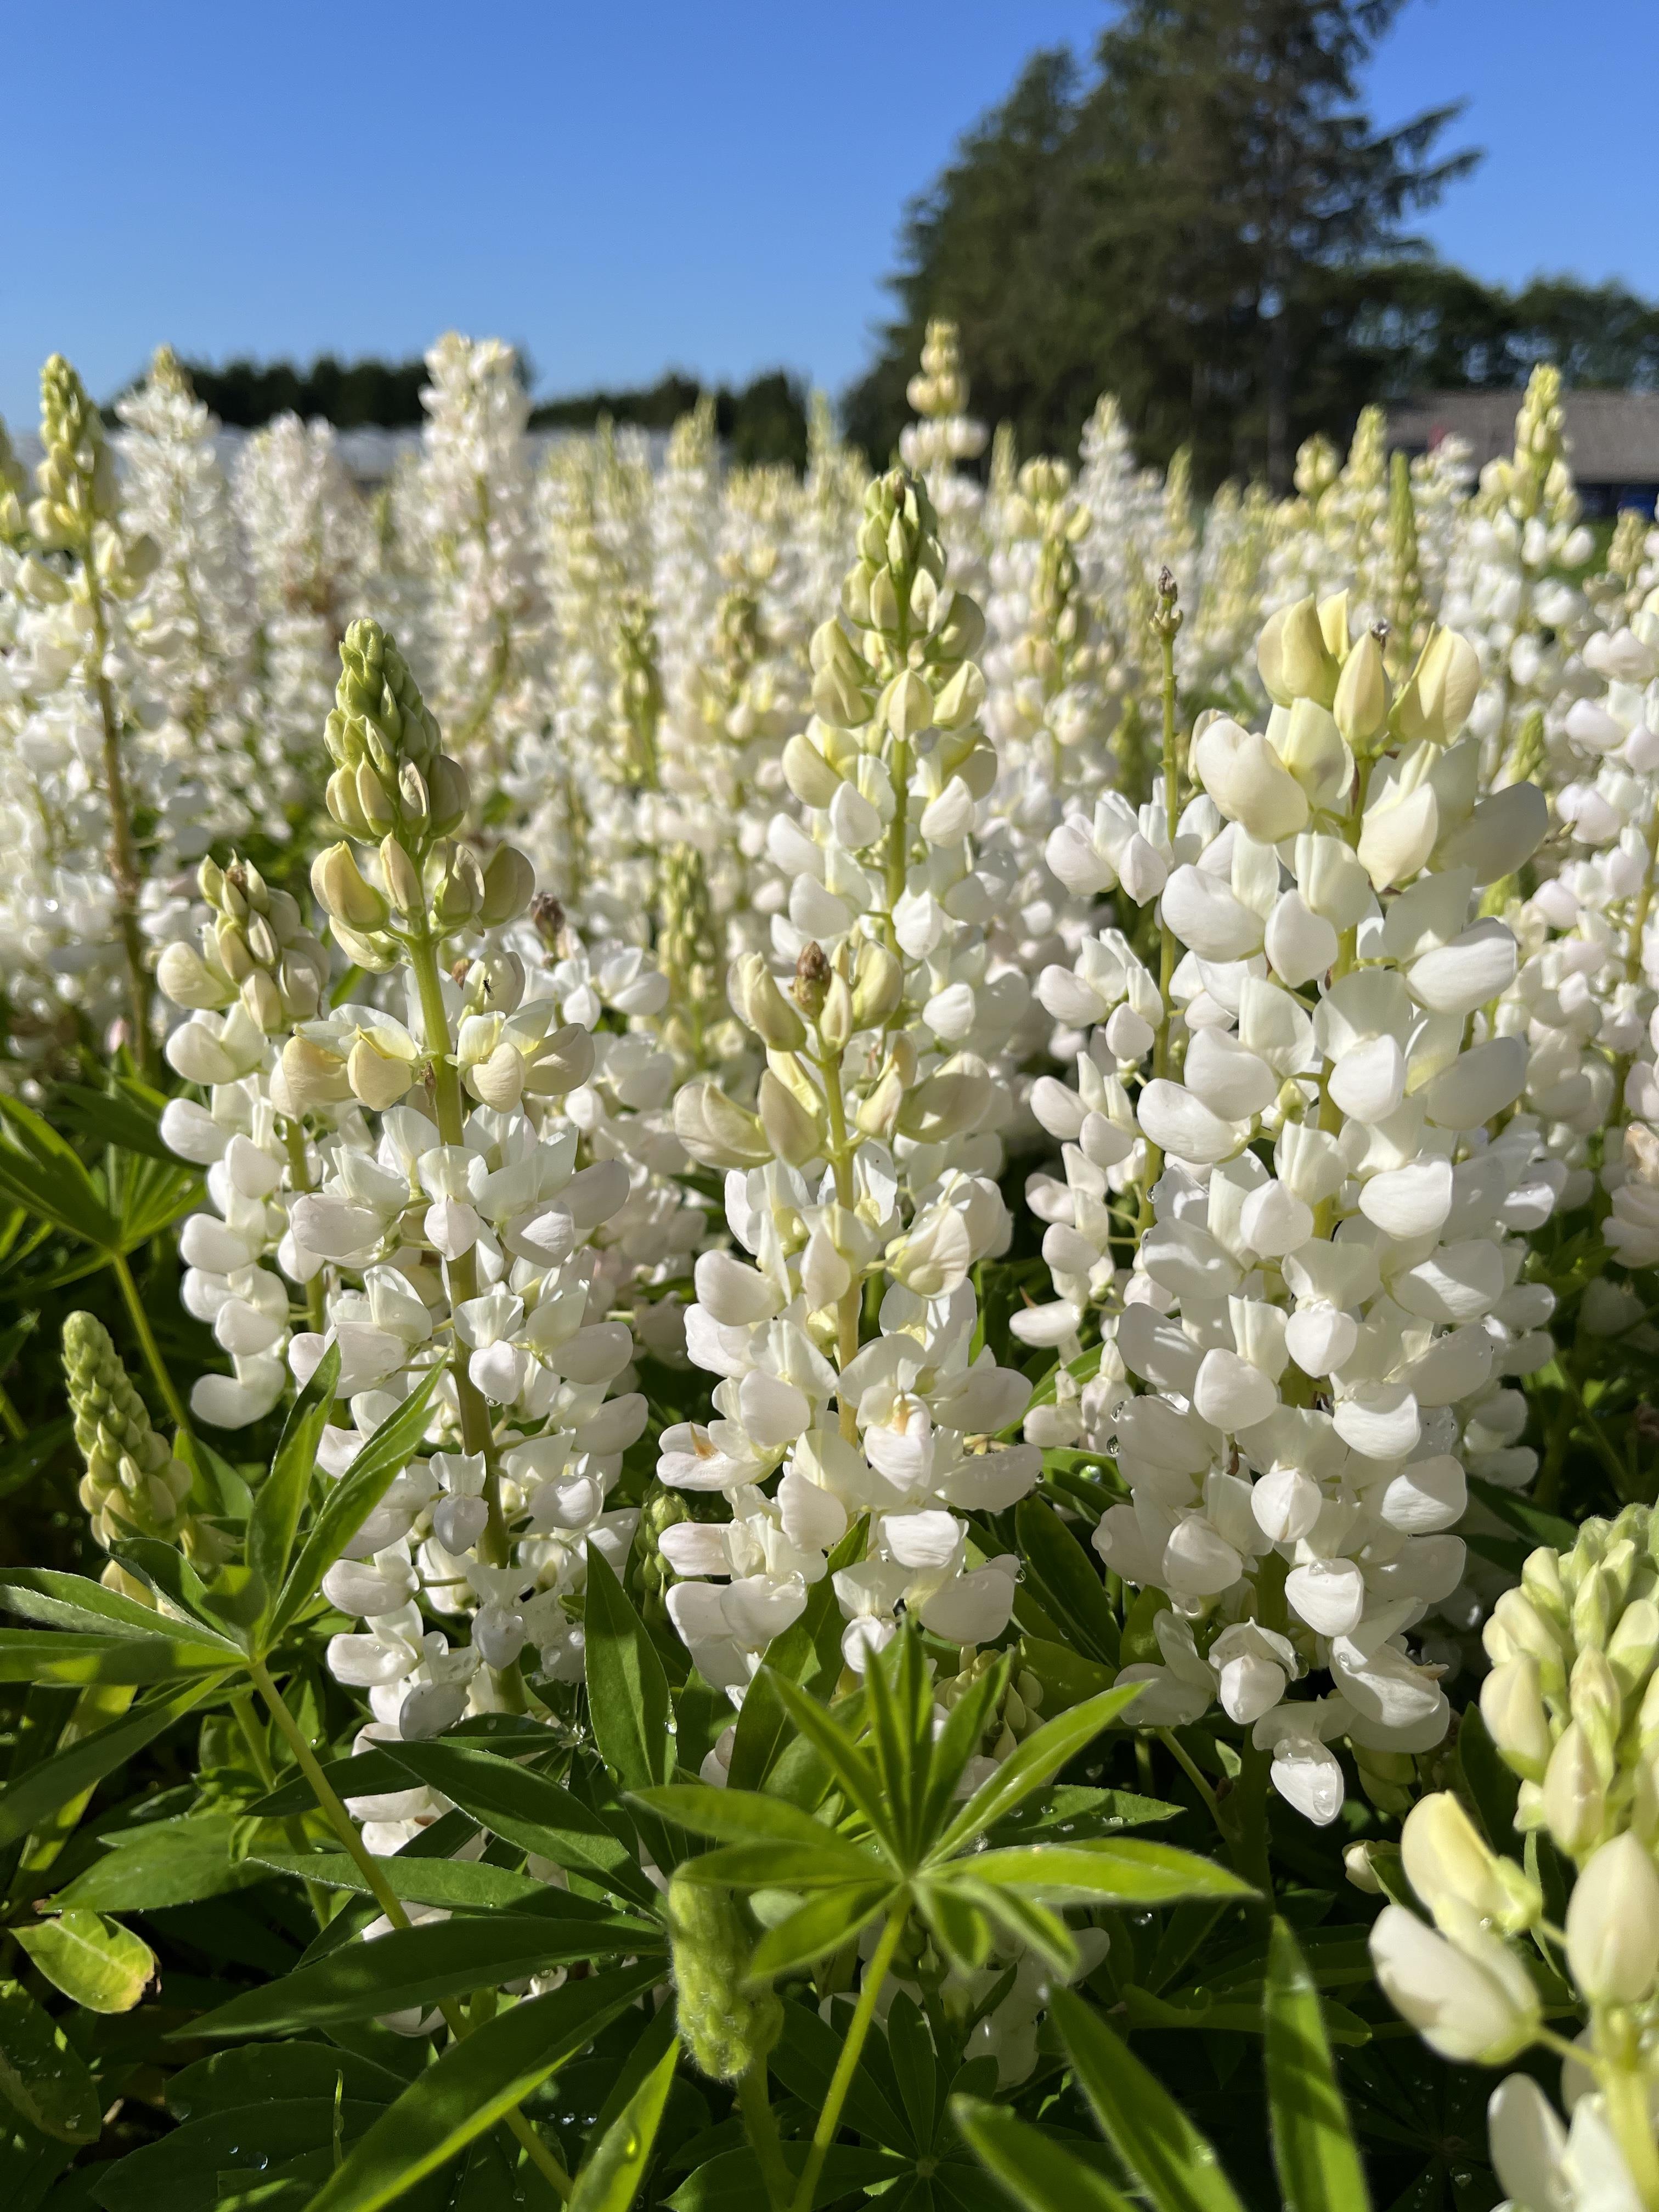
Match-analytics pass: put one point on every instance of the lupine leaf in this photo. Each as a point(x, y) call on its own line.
point(1109, 1870)
point(1041, 1756)
point(420, 1966)
point(41, 2075)
point(609, 2179)
point(474, 2084)
point(1319, 2168)
point(627, 1689)
point(95, 1962)
point(1163, 2153)
point(1038, 2173)
point(280, 1499)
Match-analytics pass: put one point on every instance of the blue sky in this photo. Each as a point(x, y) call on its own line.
point(621, 187)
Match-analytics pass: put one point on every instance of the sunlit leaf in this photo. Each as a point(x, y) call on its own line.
point(96, 1962)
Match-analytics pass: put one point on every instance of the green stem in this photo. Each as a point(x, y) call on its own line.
point(152, 1351)
point(461, 1277)
point(345, 1828)
point(1183, 1758)
point(761, 2126)
point(875, 1976)
point(253, 1736)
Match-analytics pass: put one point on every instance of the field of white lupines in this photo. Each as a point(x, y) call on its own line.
point(855, 1284)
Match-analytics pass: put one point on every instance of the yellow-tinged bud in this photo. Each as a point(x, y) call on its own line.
point(342, 892)
point(1293, 658)
point(877, 984)
point(759, 1003)
point(807, 773)
point(794, 1133)
point(403, 879)
point(835, 1018)
point(1361, 705)
point(509, 884)
point(378, 1080)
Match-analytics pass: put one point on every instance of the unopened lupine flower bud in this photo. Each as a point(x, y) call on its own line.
point(1613, 1925)
point(1361, 705)
point(509, 882)
point(725, 2024)
point(1471, 2000)
point(1447, 1863)
point(760, 1001)
point(344, 893)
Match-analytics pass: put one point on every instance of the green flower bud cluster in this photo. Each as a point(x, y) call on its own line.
point(75, 478)
point(1536, 480)
point(133, 1485)
point(1318, 467)
point(393, 783)
point(650, 1577)
point(636, 697)
point(1017, 1712)
point(1406, 604)
point(14, 486)
point(392, 776)
point(724, 2024)
point(941, 389)
point(256, 947)
point(1572, 1700)
point(688, 944)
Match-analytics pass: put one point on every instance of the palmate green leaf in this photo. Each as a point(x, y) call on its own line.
point(805, 2059)
point(97, 1963)
point(1038, 2173)
point(76, 1602)
point(1105, 1870)
point(609, 2179)
point(41, 1172)
point(1319, 2167)
point(41, 1655)
point(373, 1773)
point(475, 2084)
point(128, 1114)
point(1040, 1757)
point(959, 1740)
point(627, 1689)
point(461, 1885)
point(350, 1502)
point(266, 2073)
point(187, 2170)
point(41, 2075)
point(531, 1811)
point(899, 1702)
point(1163, 2155)
point(423, 1966)
point(149, 1195)
point(26, 1802)
point(280, 1499)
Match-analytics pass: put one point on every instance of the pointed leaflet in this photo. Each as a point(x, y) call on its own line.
point(1064, 1582)
point(854, 1772)
point(279, 1499)
point(609, 2181)
point(352, 1500)
point(1107, 1869)
point(748, 1816)
point(41, 2075)
point(821, 1924)
point(71, 1772)
point(899, 1701)
point(627, 1689)
point(459, 1885)
point(1163, 2153)
point(41, 1655)
point(42, 1172)
point(1039, 1757)
point(476, 2083)
point(1037, 2172)
point(74, 1601)
point(423, 1966)
point(1319, 2168)
point(531, 1811)
point(959, 1740)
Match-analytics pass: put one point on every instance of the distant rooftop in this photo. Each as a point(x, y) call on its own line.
point(1612, 437)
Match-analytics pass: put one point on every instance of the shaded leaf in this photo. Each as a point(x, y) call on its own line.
point(41, 2075)
point(1162, 2152)
point(610, 2177)
point(1319, 2167)
point(1037, 2172)
point(627, 1689)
